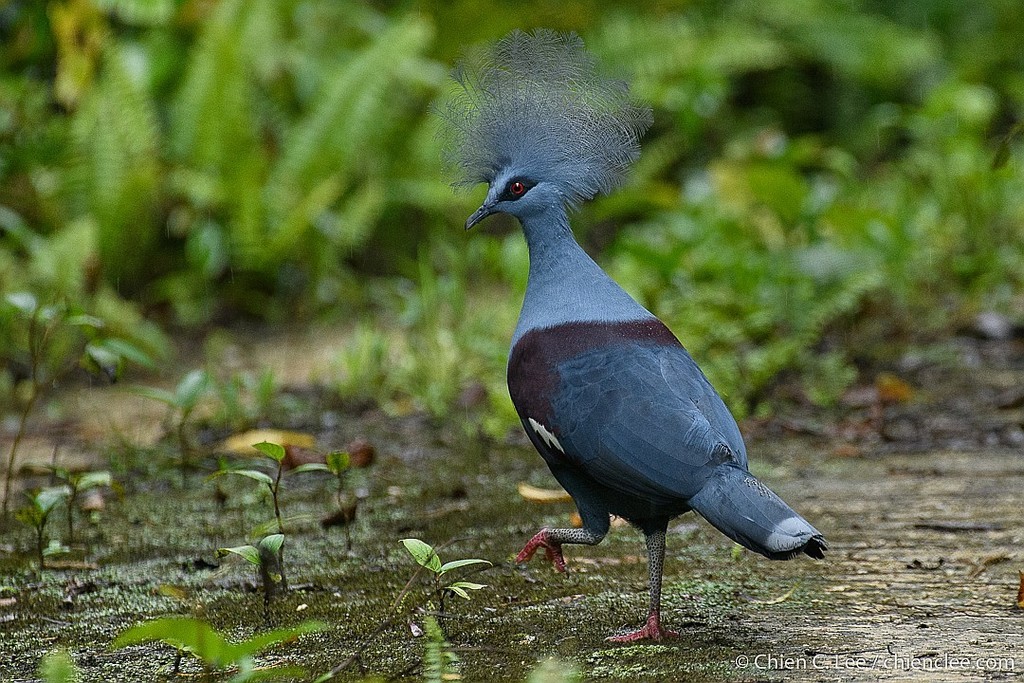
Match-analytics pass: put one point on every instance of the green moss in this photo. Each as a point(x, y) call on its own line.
point(154, 547)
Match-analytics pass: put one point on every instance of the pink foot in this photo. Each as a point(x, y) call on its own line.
point(652, 630)
point(552, 549)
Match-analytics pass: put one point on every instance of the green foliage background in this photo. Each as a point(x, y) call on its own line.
point(826, 180)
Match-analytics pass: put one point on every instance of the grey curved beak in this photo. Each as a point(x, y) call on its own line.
point(483, 212)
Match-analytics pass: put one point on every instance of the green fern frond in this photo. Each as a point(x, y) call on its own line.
point(117, 141)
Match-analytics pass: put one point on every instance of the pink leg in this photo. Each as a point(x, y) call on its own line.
point(552, 539)
point(552, 548)
point(652, 630)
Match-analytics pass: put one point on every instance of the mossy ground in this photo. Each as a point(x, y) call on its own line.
point(926, 544)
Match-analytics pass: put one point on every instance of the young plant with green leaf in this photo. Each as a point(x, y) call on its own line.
point(76, 484)
point(181, 404)
point(196, 637)
point(441, 580)
point(438, 656)
point(56, 339)
point(244, 398)
point(339, 463)
point(439, 661)
point(57, 666)
point(275, 453)
point(268, 557)
point(36, 514)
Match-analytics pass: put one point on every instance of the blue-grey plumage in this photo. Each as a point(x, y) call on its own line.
point(621, 413)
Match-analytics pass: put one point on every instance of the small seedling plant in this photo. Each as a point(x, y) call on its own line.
point(339, 463)
point(58, 339)
point(266, 556)
point(276, 454)
point(438, 658)
point(76, 484)
point(439, 661)
point(198, 638)
point(36, 514)
point(57, 666)
point(243, 399)
point(181, 404)
point(441, 573)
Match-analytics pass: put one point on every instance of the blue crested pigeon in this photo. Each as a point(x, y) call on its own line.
point(624, 418)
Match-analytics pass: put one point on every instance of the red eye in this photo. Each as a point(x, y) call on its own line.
point(517, 189)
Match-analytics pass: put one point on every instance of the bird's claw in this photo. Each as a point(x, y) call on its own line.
point(552, 549)
point(652, 630)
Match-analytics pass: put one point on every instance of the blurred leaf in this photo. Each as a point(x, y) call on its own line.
point(554, 671)
point(80, 34)
point(46, 499)
point(311, 467)
point(24, 302)
point(242, 444)
point(423, 554)
point(118, 174)
point(247, 552)
point(273, 543)
point(184, 633)
point(129, 351)
point(82, 320)
point(55, 548)
point(539, 495)
point(338, 461)
point(202, 640)
point(460, 588)
point(272, 450)
point(191, 388)
point(157, 394)
point(255, 475)
point(99, 359)
point(89, 480)
point(455, 564)
point(57, 666)
point(262, 641)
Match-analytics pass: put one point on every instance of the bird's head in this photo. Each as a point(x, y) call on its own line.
point(533, 118)
point(517, 194)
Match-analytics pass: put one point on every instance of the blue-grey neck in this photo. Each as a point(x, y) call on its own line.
point(565, 284)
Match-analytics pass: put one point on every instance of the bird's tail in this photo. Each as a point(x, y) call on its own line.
point(750, 513)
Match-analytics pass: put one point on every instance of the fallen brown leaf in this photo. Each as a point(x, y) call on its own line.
point(539, 495)
point(295, 456)
point(892, 389)
point(361, 453)
point(241, 444)
point(984, 563)
point(1020, 592)
point(774, 601)
point(616, 522)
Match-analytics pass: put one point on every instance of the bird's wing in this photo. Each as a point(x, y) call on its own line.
point(643, 420)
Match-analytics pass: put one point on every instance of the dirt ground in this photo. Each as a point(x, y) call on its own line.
point(921, 501)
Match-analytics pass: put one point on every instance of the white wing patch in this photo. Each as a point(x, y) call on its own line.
point(545, 435)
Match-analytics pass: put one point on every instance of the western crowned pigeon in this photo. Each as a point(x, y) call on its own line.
point(624, 418)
